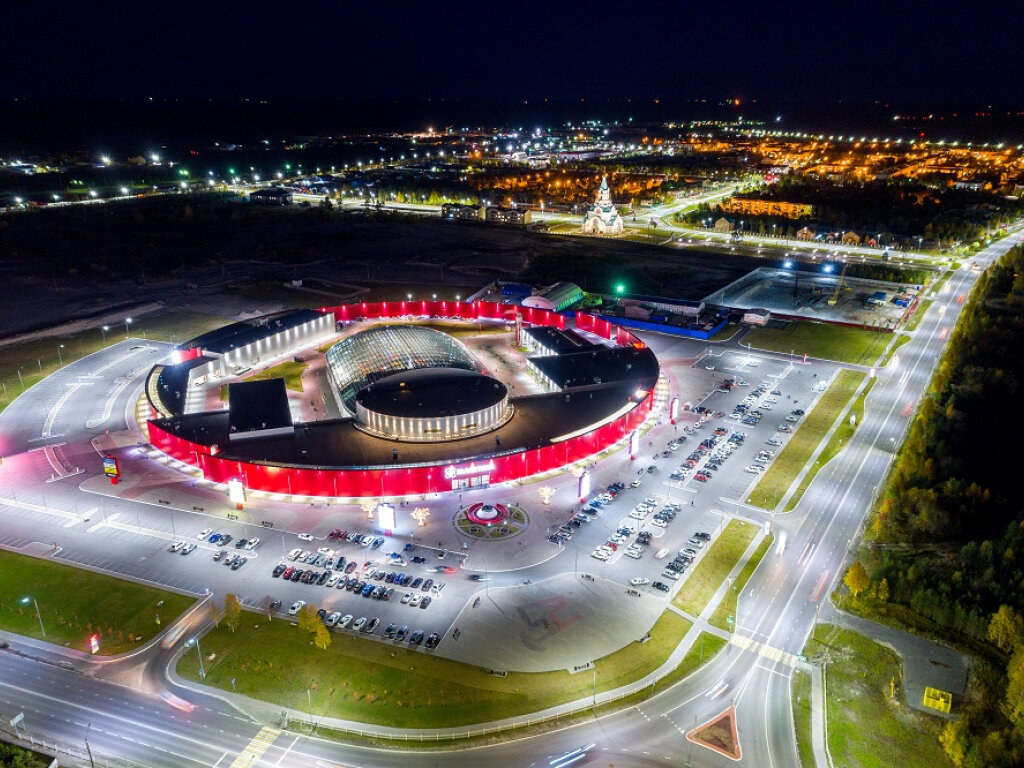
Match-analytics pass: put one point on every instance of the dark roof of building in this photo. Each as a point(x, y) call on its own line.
point(257, 405)
point(660, 300)
point(558, 341)
point(431, 392)
point(271, 192)
point(240, 334)
point(339, 443)
point(600, 365)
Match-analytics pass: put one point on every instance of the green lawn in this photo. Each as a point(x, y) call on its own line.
point(801, 693)
point(726, 550)
point(727, 333)
point(867, 728)
point(821, 340)
point(388, 684)
point(840, 438)
point(774, 483)
point(289, 370)
point(901, 339)
point(727, 607)
point(75, 604)
point(38, 359)
point(703, 650)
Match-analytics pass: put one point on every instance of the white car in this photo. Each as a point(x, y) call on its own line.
point(415, 600)
point(296, 607)
point(345, 621)
point(333, 580)
point(406, 598)
point(305, 537)
point(332, 619)
point(359, 623)
point(639, 581)
point(600, 555)
point(252, 543)
point(668, 573)
point(635, 483)
point(293, 554)
point(636, 554)
point(659, 523)
point(754, 469)
point(325, 551)
point(176, 546)
point(204, 533)
point(784, 428)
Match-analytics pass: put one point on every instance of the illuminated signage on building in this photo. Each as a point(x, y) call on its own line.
point(451, 471)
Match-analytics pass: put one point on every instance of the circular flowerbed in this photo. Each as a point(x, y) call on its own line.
point(491, 521)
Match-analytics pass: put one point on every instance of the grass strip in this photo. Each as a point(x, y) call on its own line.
point(801, 693)
point(727, 607)
point(857, 346)
point(704, 649)
point(774, 483)
point(76, 603)
point(385, 683)
point(714, 566)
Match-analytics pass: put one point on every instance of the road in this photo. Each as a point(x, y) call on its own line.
point(47, 434)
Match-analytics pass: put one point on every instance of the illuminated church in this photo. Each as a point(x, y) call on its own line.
point(602, 217)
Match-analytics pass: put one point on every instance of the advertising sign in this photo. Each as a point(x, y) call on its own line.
point(111, 467)
point(673, 409)
point(385, 517)
point(584, 487)
point(236, 492)
point(634, 443)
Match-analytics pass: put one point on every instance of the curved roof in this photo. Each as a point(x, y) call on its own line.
point(383, 350)
point(432, 392)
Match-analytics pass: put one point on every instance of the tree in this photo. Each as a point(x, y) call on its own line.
point(308, 620)
point(857, 578)
point(952, 740)
point(1015, 686)
point(1005, 627)
point(883, 590)
point(232, 611)
point(321, 636)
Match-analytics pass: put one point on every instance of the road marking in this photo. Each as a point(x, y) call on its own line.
point(763, 649)
point(101, 523)
point(256, 748)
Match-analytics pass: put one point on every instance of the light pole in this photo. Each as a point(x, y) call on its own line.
point(21, 380)
point(202, 670)
point(127, 322)
point(309, 699)
point(88, 749)
point(60, 357)
point(39, 615)
point(103, 330)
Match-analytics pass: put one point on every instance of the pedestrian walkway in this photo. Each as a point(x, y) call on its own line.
point(256, 748)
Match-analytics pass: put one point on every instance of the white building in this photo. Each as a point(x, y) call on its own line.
point(602, 217)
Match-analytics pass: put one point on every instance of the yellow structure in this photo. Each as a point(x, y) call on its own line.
point(936, 699)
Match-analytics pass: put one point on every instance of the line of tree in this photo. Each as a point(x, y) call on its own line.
point(945, 550)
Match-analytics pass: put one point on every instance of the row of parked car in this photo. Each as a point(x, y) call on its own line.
point(640, 514)
point(368, 626)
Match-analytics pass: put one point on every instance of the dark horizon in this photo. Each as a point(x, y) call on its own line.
point(531, 51)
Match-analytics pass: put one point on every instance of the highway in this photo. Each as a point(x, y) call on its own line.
point(47, 439)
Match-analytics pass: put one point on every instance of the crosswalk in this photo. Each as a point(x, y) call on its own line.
point(763, 649)
point(256, 748)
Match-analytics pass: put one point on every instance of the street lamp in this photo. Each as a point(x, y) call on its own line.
point(60, 357)
point(127, 322)
point(39, 615)
point(195, 640)
point(103, 330)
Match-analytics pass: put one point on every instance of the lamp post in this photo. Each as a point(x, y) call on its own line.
point(60, 357)
point(39, 615)
point(103, 330)
point(202, 670)
point(127, 322)
point(88, 749)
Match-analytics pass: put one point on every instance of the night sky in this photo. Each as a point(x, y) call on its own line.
point(346, 51)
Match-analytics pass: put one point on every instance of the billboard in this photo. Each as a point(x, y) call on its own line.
point(634, 443)
point(584, 487)
point(673, 409)
point(111, 467)
point(386, 517)
point(236, 492)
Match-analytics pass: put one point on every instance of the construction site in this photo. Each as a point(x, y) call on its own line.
point(825, 296)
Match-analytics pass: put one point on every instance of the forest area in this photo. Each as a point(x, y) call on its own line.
point(944, 553)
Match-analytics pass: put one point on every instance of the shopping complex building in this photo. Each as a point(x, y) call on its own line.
point(420, 414)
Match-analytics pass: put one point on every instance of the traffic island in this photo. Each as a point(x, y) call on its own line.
point(719, 735)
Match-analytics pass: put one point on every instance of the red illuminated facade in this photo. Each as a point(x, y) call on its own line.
point(439, 477)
